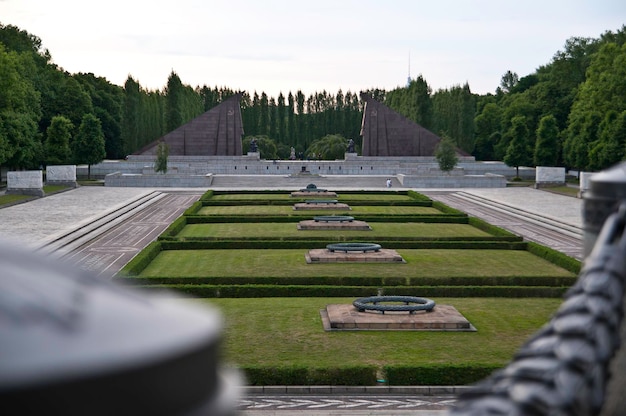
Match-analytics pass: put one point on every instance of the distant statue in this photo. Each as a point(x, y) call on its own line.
point(292, 155)
point(253, 146)
point(351, 146)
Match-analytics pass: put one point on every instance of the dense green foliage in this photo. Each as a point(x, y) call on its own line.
point(574, 109)
point(160, 165)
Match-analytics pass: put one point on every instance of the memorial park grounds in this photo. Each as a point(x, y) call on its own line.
point(243, 253)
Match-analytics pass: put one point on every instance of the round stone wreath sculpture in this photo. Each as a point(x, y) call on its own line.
point(353, 247)
point(411, 304)
point(333, 218)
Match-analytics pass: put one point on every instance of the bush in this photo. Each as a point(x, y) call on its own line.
point(438, 374)
point(175, 227)
point(491, 229)
point(286, 291)
point(303, 376)
point(556, 257)
point(141, 260)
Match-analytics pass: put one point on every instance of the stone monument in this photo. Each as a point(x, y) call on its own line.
point(217, 132)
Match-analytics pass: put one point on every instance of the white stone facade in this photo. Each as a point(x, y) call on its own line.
point(26, 182)
point(549, 175)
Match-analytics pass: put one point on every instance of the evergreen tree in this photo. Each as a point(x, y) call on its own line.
point(291, 122)
point(174, 102)
point(446, 154)
point(88, 145)
point(163, 152)
point(281, 119)
point(57, 145)
point(547, 144)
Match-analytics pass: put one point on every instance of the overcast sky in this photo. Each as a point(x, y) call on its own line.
point(288, 45)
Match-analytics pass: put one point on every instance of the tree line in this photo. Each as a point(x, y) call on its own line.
point(570, 112)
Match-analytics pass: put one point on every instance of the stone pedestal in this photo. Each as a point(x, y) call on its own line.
point(348, 318)
point(26, 182)
point(64, 175)
point(549, 176)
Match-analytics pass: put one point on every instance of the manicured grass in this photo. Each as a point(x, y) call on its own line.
point(50, 189)
point(289, 211)
point(291, 263)
point(563, 190)
point(284, 331)
point(12, 199)
point(278, 230)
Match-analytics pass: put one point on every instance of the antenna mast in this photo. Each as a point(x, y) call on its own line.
point(408, 79)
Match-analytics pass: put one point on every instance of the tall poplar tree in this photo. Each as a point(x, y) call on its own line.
point(174, 102)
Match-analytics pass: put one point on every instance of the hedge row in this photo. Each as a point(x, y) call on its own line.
point(269, 291)
point(423, 375)
point(525, 281)
point(556, 257)
point(138, 263)
point(302, 215)
point(174, 228)
point(285, 202)
point(446, 209)
point(438, 374)
point(491, 229)
point(193, 209)
point(418, 197)
point(306, 376)
point(286, 244)
point(171, 236)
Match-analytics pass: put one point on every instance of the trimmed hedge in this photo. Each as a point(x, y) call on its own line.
point(174, 228)
point(302, 215)
point(193, 209)
point(418, 197)
point(556, 257)
point(377, 282)
point(207, 195)
point(286, 244)
point(446, 209)
point(438, 374)
point(138, 263)
point(173, 237)
point(317, 291)
point(491, 229)
point(305, 376)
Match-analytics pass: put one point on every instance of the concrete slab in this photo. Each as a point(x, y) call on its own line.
point(384, 255)
point(345, 317)
point(354, 225)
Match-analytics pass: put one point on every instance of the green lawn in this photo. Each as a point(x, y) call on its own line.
point(291, 263)
point(12, 199)
point(289, 210)
point(280, 331)
point(380, 229)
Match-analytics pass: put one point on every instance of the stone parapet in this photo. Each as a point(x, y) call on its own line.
point(158, 180)
point(467, 181)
